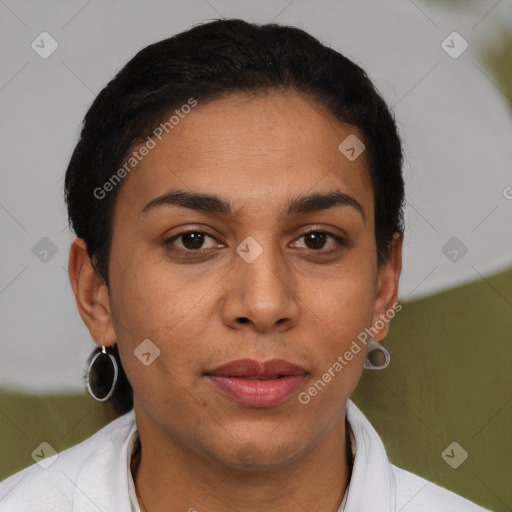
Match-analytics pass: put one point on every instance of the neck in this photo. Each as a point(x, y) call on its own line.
point(186, 481)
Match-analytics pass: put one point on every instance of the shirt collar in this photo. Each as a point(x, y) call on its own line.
point(372, 484)
point(102, 481)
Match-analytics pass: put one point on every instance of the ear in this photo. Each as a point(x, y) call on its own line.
point(91, 294)
point(387, 288)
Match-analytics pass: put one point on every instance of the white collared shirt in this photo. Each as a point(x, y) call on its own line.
point(95, 475)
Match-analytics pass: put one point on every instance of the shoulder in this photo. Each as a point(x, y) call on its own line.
point(54, 483)
point(416, 494)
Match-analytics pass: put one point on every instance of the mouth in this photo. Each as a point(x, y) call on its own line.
point(257, 384)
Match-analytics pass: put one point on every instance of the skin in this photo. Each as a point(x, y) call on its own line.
point(302, 304)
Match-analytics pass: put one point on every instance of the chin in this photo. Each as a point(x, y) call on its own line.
point(257, 453)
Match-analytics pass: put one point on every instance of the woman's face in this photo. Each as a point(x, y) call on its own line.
point(245, 284)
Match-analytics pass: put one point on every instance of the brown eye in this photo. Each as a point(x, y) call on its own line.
point(190, 240)
point(193, 240)
point(316, 240)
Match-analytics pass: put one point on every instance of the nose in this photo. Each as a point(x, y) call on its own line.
point(260, 294)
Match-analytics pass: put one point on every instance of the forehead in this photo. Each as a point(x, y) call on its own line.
point(257, 150)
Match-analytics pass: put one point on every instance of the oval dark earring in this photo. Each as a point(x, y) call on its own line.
point(102, 375)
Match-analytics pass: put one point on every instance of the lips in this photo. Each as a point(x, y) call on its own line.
point(257, 384)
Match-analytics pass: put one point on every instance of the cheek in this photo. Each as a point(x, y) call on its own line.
point(343, 308)
point(147, 308)
point(151, 296)
point(345, 298)
point(169, 305)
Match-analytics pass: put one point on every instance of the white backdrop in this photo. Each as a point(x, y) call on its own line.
point(452, 114)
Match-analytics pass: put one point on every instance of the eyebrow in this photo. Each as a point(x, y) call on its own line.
point(211, 203)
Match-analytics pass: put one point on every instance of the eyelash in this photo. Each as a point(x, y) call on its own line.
point(341, 241)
